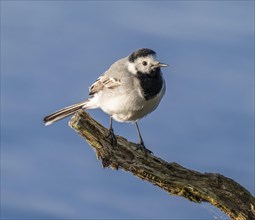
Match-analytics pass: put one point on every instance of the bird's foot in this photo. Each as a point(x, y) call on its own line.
point(143, 148)
point(112, 137)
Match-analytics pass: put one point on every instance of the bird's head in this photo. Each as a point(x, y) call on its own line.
point(144, 61)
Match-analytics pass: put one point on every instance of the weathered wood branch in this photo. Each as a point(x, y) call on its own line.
point(220, 191)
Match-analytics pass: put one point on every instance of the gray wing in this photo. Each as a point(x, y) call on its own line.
point(111, 79)
point(103, 82)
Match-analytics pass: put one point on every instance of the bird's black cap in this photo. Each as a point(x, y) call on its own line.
point(141, 53)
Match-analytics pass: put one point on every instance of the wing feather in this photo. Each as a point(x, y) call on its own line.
point(104, 82)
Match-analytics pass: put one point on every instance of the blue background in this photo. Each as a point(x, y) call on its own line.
point(52, 51)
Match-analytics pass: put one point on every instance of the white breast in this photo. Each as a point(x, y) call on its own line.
point(132, 107)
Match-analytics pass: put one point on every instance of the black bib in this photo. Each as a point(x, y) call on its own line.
point(151, 83)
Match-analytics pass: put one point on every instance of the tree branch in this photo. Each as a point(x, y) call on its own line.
point(220, 191)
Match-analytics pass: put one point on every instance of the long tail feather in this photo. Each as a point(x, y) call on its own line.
point(62, 113)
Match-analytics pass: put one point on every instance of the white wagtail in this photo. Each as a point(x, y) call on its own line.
point(130, 89)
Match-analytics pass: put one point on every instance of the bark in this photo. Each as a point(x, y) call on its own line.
point(220, 191)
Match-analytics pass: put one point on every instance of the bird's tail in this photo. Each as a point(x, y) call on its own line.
point(64, 112)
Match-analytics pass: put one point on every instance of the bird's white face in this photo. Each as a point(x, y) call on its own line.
point(144, 64)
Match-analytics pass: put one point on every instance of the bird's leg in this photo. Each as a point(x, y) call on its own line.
point(141, 143)
point(111, 134)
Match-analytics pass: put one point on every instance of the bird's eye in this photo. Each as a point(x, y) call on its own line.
point(144, 63)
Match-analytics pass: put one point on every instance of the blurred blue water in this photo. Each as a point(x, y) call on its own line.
point(52, 51)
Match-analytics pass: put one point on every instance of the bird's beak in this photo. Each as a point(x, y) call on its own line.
point(162, 65)
point(158, 64)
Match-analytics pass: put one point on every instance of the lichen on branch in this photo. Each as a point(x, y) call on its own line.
point(220, 191)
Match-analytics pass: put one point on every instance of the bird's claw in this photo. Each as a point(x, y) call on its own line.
point(112, 137)
point(143, 148)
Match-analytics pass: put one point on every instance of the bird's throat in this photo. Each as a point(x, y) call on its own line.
point(151, 83)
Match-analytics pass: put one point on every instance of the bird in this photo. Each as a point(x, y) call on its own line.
point(130, 89)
